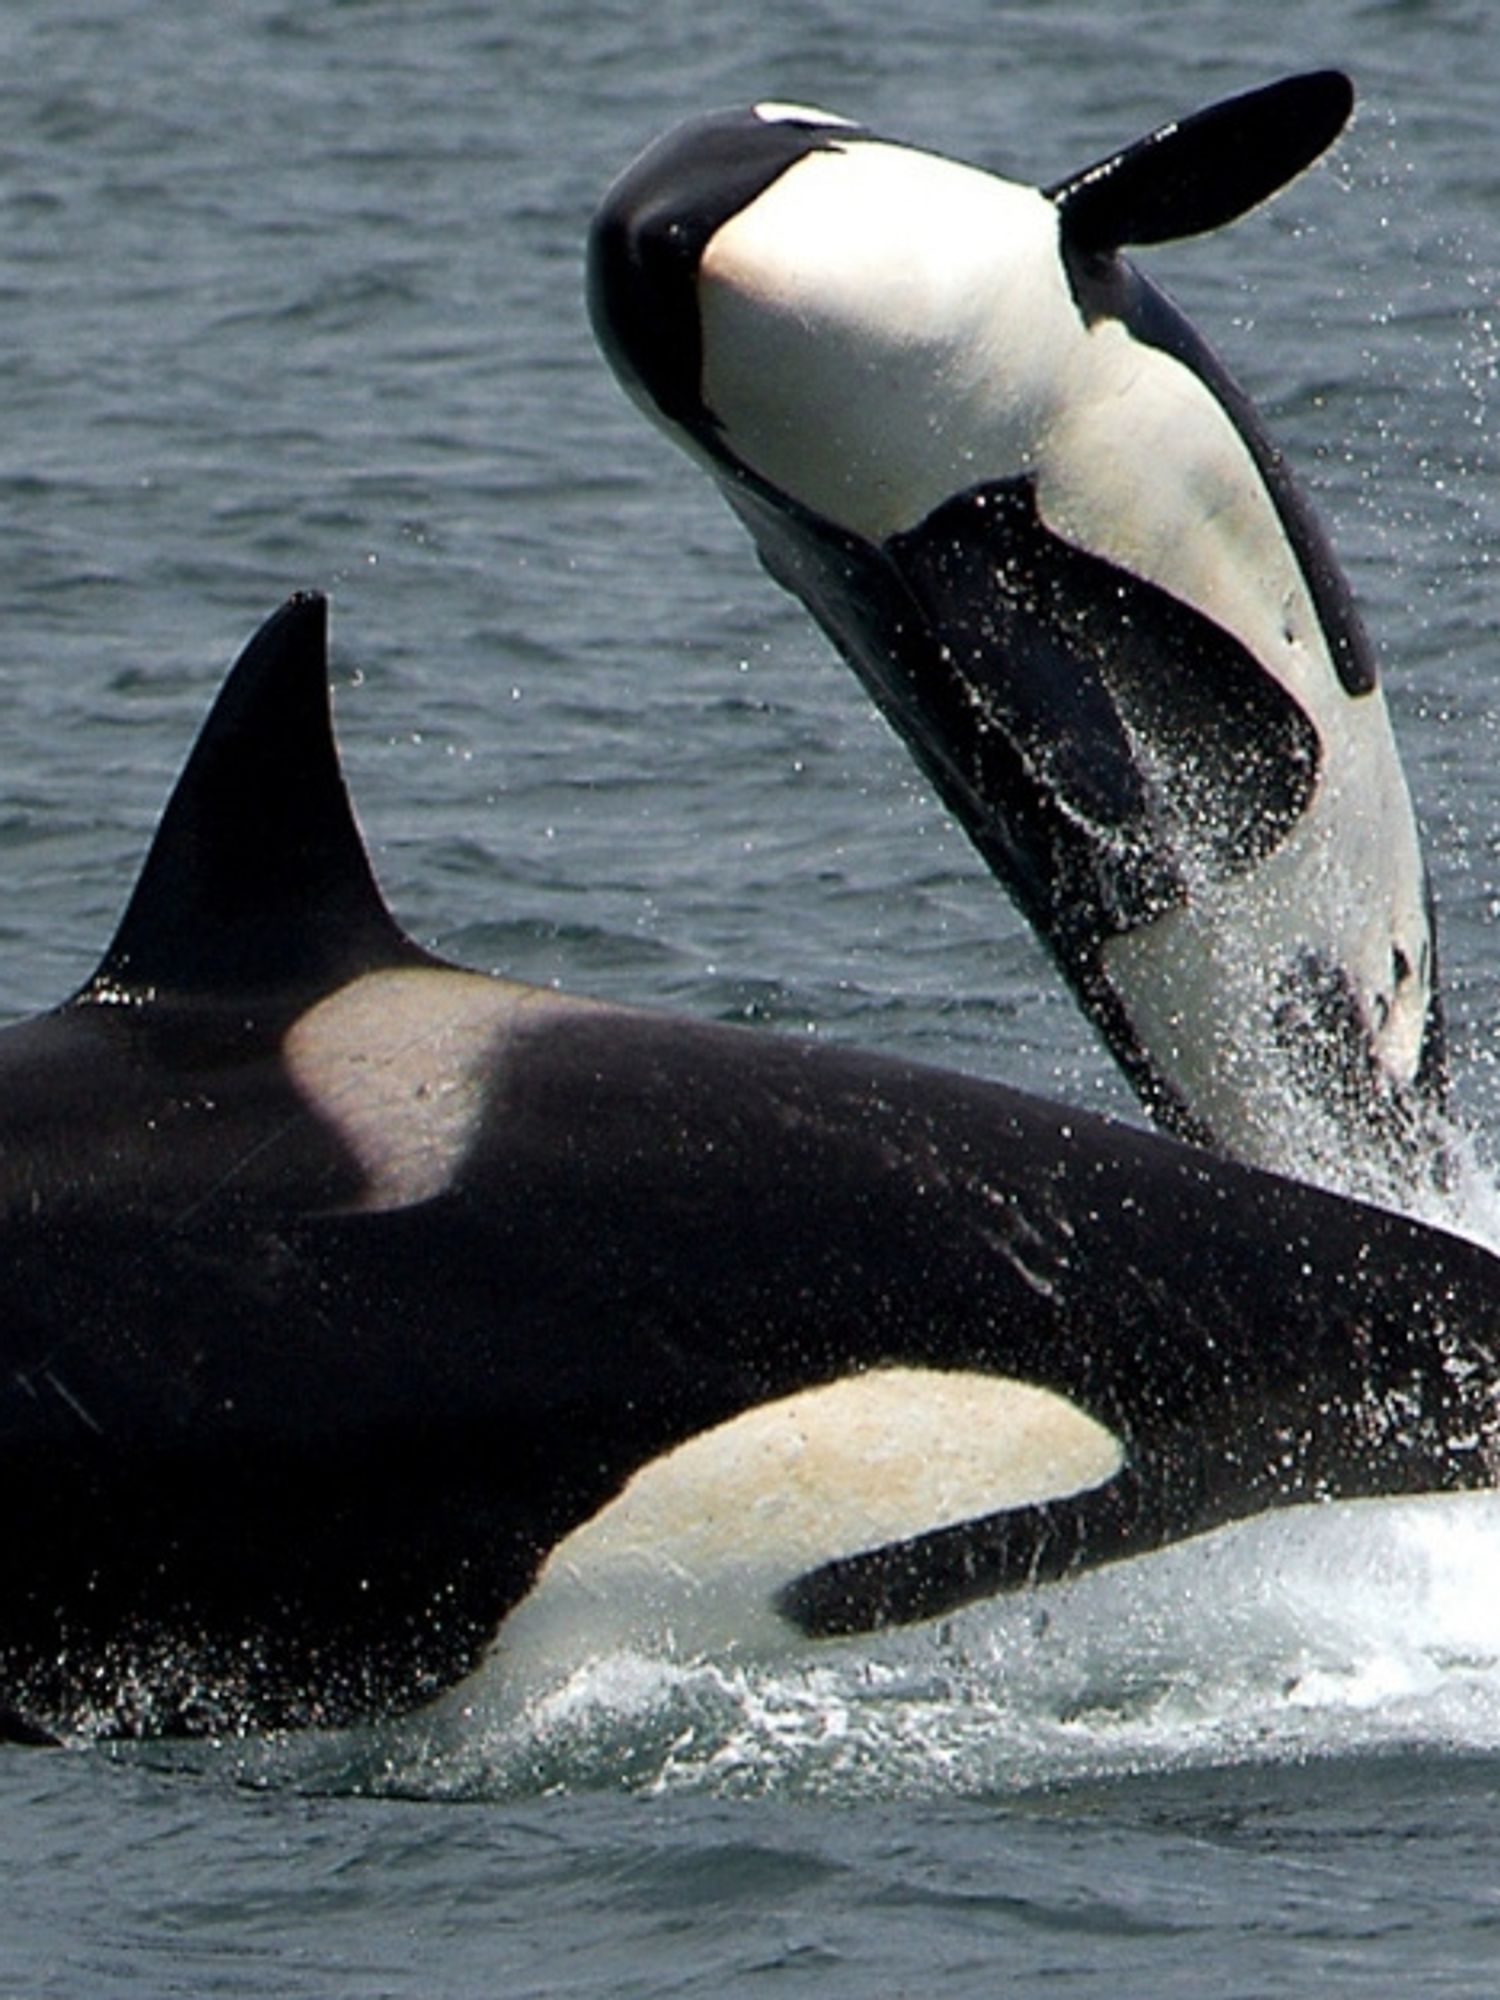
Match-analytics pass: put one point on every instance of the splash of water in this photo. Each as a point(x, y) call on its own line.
point(1334, 1630)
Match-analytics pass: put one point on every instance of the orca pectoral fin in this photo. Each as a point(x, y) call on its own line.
point(912, 617)
point(1151, 725)
point(1201, 172)
point(934, 1574)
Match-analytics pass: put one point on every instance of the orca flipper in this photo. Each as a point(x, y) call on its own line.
point(1101, 678)
point(1198, 173)
point(258, 879)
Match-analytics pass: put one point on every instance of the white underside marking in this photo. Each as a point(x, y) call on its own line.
point(884, 329)
point(693, 1550)
point(855, 351)
point(400, 1063)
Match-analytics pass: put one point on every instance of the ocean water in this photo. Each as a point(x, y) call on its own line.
point(290, 295)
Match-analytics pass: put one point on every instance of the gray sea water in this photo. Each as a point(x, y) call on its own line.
point(290, 295)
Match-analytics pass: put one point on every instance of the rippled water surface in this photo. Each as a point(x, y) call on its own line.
point(289, 295)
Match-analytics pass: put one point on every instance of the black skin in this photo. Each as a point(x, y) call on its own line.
point(271, 1466)
point(272, 1459)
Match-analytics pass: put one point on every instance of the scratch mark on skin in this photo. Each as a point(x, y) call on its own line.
point(56, 1382)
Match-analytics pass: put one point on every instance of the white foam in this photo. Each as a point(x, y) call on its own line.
point(1320, 1631)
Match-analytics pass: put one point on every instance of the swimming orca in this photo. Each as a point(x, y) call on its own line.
point(352, 1300)
point(1030, 507)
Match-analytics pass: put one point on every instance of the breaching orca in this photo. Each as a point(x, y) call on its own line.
point(1027, 503)
point(348, 1297)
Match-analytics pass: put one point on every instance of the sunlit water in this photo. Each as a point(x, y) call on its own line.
point(291, 297)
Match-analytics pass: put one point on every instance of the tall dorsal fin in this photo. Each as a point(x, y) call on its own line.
point(1201, 172)
point(257, 880)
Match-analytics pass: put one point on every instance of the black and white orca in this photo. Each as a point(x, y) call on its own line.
point(1028, 504)
point(353, 1301)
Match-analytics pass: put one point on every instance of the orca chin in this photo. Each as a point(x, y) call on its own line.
point(357, 1307)
point(1032, 510)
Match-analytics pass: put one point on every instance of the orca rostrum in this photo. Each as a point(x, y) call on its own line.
point(352, 1301)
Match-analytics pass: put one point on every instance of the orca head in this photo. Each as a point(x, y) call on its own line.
point(869, 328)
point(796, 295)
point(647, 242)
